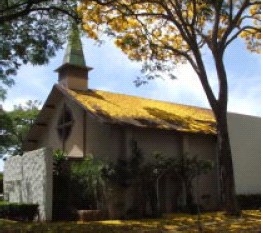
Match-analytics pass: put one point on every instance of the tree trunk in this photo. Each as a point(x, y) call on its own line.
point(226, 165)
point(224, 147)
point(154, 200)
point(188, 196)
point(219, 107)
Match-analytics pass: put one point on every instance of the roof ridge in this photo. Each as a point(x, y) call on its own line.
point(155, 100)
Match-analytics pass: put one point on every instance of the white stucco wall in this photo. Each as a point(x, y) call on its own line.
point(29, 179)
point(245, 139)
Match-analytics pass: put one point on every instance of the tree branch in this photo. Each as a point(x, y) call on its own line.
point(238, 33)
point(29, 7)
point(217, 8)
point(234, 22)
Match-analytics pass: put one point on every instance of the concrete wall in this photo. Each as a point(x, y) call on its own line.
point(102, 140)
point(29, 179)
point(168, 143)
point(246, 149)
point(204, 146)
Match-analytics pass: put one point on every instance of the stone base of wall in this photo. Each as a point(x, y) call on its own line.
point(29, 179)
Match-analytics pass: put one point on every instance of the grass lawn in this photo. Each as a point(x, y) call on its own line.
point(211, 222)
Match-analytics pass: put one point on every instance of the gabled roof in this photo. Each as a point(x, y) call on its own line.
point(126, 110)
point(141, 112)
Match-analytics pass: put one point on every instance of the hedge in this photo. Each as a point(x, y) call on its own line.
point(1, 182)
point(16, 211)
point(249, 201)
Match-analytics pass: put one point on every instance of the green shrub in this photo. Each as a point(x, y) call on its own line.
point(1, 182)
point(89, 176)
point(249, 202)
point(16, 211)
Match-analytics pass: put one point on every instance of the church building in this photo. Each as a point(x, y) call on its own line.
point(82, 121)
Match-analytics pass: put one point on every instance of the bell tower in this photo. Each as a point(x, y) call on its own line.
point(73, 73)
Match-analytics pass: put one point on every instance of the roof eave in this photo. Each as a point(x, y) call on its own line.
point(86, 68)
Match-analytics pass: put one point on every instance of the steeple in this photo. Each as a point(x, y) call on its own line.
point(73, 73)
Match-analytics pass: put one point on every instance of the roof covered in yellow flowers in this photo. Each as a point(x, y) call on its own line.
point(131, 110)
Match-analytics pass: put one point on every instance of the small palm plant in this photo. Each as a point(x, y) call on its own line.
point(90, 174)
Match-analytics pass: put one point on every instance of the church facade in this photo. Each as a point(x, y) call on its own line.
point(82, 121)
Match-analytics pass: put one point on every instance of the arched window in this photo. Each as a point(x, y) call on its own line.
point(65, 123)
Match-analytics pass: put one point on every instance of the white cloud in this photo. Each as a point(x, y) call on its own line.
point(244, 95)
point(106, 54)
point(32, 83)
point(186, 89)
point(9, 104)
point(113, 71)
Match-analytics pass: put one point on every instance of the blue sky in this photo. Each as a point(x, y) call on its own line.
point(113, 71)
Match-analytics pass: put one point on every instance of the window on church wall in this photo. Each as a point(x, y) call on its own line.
point(65, 123)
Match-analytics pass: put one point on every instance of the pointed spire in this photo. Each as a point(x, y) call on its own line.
point(74, 53)
point(73, 73)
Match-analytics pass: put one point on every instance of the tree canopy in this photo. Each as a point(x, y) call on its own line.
point(31, 32)
point(14, 126)
point(179, 31)
point(173, 30)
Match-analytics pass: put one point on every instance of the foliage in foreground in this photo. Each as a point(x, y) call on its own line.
point(31, 32)
point(94, 179)
point(249, 201)
point(89, 175)
point(18, 211)
point(15, 126)
point(211, 222)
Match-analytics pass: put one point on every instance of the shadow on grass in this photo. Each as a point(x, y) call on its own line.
point(211, 222)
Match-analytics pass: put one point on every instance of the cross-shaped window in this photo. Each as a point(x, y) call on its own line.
point(65, 123)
